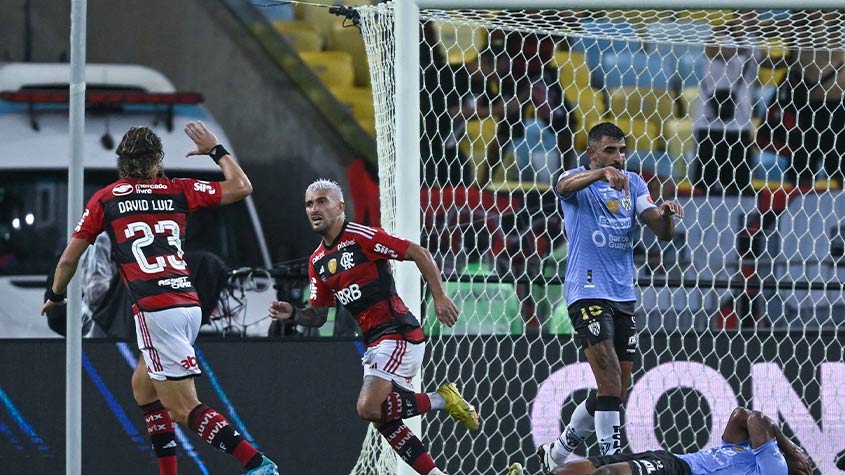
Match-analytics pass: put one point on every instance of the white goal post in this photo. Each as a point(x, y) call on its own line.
point(767, 247)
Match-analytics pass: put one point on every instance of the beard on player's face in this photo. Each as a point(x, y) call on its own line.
point(324, 220)
point(611, 160)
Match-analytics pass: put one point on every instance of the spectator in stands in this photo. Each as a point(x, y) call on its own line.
point(443, 164)
point(472, 95)
point(816, 83)
point(530, 104)
point(722, 119)
point(542, 142)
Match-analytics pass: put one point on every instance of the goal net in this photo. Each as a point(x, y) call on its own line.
point(734, 113)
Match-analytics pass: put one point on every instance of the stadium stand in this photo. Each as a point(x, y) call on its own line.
point(300, 34)
point(334, 68)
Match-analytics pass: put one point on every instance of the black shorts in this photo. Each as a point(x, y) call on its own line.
point(597, 320)
point(653, 462)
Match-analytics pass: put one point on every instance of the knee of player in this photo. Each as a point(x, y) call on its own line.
point(369, 410)
point(179, 414)
point(610, 387)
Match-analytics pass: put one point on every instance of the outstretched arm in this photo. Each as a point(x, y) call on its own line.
point(65, 270)
point(444, 308)
point(307, 317)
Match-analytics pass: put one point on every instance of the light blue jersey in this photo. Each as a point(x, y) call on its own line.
point(737, 459)
point(601, 225)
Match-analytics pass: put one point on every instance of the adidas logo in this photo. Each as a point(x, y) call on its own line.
point(170, 445)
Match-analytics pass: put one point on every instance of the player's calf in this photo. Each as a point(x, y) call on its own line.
point(409, 447)
point(216, 431)
point(161, 429)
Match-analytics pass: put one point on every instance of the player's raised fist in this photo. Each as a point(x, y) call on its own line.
point(280, 310)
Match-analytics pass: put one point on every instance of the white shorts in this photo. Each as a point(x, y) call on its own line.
point(166, 339)
point(394, 360)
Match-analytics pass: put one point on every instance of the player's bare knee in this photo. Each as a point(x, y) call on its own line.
point(142, 389)
point(369, 410)
point(609, 384)
point(180, 412)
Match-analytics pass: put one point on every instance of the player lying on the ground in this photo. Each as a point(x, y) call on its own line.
point(751, 445)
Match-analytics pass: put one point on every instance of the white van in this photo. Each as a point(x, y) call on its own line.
point(34, 132)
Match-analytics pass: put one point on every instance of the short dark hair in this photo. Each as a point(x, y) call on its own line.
point(139, 154)
point(605, 129)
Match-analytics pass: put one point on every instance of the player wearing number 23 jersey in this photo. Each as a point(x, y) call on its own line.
point(145, 215)
point(145, 219)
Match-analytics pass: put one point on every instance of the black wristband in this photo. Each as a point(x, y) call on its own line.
point(292, 313)
point(54, 297)
point(218, 152)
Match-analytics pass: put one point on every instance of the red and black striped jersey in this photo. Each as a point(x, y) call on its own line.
point(145, 220)
point(355, 271)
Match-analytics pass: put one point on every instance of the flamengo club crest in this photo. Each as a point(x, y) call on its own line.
point(332, 266)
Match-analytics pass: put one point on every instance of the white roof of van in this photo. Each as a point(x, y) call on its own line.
point(14, 76)
point(47, 146)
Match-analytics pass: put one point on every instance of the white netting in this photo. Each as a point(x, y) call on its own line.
point(736, 114)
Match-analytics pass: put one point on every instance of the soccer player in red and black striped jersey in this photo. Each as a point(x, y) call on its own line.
point(351, 266)
point(145, 214)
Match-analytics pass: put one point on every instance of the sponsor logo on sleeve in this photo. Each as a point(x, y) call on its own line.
point(82, 220)
point(318, 256)
point(382, 249)
point(204, 187)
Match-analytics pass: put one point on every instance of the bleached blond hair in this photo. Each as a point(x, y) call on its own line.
point(326, 184)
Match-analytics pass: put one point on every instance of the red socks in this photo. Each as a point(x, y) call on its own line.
point(161, 430)
point(404, 405)
point(408, 446)
point(213, 428)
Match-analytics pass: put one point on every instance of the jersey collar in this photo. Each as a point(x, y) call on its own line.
point(337, 238)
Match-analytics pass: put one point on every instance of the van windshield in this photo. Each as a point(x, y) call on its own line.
point(33, 222)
